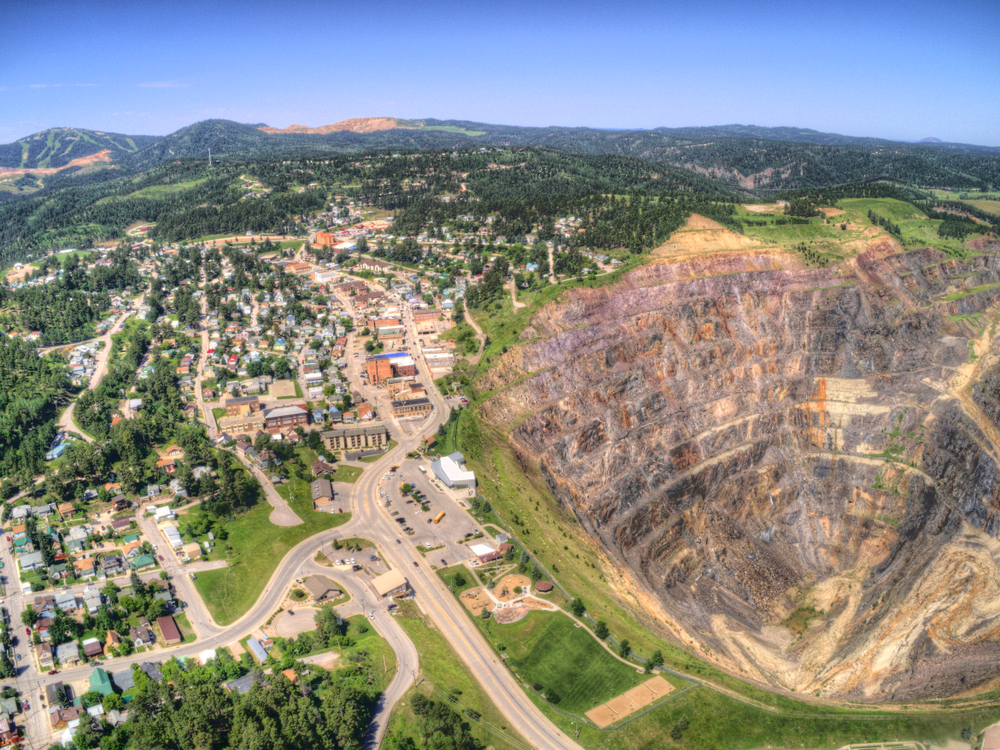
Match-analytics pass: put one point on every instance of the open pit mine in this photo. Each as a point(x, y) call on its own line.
point(797, 468)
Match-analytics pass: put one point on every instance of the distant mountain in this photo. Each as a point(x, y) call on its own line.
point(930, 140)
point(57, 147)
point(355, 125)
point(749, 158)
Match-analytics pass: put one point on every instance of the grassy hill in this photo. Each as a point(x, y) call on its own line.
point(756, 160)
point(57, 147)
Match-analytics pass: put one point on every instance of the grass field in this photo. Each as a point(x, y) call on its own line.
point(257, 548)
point(989, 206)
point(573, 669)
point(441, 668)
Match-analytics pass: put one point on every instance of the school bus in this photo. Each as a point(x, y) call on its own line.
point(439, 517)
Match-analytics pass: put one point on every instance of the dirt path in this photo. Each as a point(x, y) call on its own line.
point(479, 335)
point(513, 295)
point(66, 420)
point(552, 268)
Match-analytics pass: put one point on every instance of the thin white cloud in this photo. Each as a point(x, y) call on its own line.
point(45, 86)
point(87, 85)
point(163, 85)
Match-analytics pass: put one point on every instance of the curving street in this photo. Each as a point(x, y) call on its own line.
point(369, 520)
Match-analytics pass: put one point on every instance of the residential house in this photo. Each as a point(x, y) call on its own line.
point(66, 510)
point(113, 640)
point(100, 682)
point(257, 650)
point(112, 564)
point(171, 634)
point(92, 648)
point(68, 654)
point(321, 468)
point(43, 652)
point(139, 636)
point(166, 464)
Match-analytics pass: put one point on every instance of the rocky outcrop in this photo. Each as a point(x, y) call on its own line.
point(750, 439)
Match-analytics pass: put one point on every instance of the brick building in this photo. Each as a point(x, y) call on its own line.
point(411, 408)
point(284, 418)
point(355, 438)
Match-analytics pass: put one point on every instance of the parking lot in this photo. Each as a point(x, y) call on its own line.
point(455, 525)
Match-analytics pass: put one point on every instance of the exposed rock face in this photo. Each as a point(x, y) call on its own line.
point(750, 443)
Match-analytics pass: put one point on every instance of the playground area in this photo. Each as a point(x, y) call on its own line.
point(504, 590)
point(476, 600)
point(629, 702)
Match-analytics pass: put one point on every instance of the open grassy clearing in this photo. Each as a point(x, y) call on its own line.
point(441, 668)
point(574, 670)
point(257, 548)
point(989, 206)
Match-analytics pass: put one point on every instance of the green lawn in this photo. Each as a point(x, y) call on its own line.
point(573, 668)
point(441, 668)
point(349, 474)
point(257, 548)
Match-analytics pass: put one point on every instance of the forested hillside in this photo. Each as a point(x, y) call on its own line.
point(751, 158)
point(57, 147)
point(31, 389)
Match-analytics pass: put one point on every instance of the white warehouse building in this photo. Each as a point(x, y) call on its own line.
point(451, 470)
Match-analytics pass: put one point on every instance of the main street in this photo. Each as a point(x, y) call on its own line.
point(369, 520)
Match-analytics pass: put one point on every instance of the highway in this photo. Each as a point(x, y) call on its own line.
point(369, 520)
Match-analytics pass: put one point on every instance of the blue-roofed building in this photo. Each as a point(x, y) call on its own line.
point(257, 650)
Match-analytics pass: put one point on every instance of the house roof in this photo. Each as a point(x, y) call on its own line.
point(321, 488)
point(100, 682)
point(169, 628)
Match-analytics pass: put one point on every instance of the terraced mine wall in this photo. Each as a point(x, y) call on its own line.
point(801, 466)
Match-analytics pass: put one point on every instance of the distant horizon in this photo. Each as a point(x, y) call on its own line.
point(882, 70)
point(262, 123)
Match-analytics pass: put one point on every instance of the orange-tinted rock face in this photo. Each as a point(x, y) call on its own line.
point(751, 442)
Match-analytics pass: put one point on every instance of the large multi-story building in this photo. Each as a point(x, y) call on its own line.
point(356, 438)
point(414, 407)
point(284, 418)
point(242, 406)
point(379, 370)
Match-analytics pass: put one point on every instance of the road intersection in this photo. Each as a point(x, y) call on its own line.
point(370, 519)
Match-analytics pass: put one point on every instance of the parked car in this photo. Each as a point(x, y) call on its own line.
point(415, 564)
point(54, 671)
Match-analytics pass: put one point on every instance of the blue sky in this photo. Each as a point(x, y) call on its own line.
point(887, 69)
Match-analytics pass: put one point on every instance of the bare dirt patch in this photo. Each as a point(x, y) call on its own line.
point(766, 208)
point(830, 211)
point(701, 235)
point(84, 161)
point(282, 388)
point(354, 124)
point(475, 600)
point(629, 702)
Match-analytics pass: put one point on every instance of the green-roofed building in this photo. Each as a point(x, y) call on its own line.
point(142, 561)
point(100, 682)
point(130, 538)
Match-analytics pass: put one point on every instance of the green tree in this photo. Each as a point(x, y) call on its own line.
point(601, 629)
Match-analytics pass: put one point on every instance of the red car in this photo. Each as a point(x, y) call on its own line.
point(54, 671)
point(27, 631)
point(161, 557)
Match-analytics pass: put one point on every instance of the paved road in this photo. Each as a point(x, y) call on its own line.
point(66, 420)
point(371, 521)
